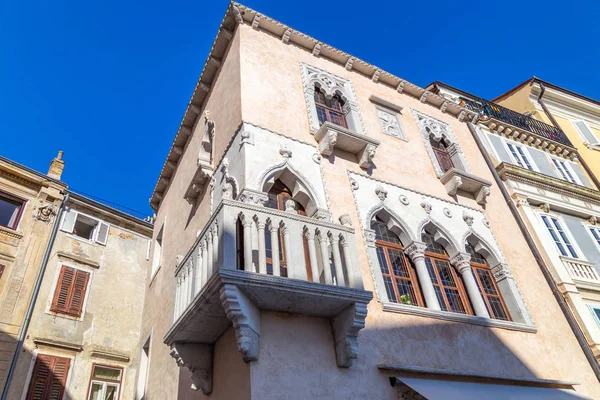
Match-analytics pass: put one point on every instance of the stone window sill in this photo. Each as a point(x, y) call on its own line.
point(10, 232)
point(331, 136)
point(455, 180)
point(448, 316)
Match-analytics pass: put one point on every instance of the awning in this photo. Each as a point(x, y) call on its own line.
point(434, 389)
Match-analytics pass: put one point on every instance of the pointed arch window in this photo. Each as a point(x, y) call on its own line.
point(330, 109)
point(399, 275)
point(279, 195)
point(447, 283)
point(487, 286)
point(440, 149)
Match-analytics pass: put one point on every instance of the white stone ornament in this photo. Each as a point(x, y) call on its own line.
point(284, 151)
point(404, 200)
point(593, 220)
point(389, 122)
point(353, 184)
point(317, 157)
point(485, 222)
point(426, 206)
point(447, 212)
point(381, 193)
point(468, 218)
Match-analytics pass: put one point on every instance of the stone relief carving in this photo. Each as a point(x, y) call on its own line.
point(593, 220)
point(381, 193)
point(245, 317)
point(254, 197)
point(354, 184)
point(404, 200)
point(447, 212)
point(468, 218)
point(45, 211)
point(345, 220)
point(389, 122)
point(426, 206)
point(545, 207)
point(485, 222)
point(317, 157)
point(501, 272)
point(284, 151)
point(230, 186)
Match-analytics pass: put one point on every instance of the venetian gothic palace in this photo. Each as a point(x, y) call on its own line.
point(366, 238)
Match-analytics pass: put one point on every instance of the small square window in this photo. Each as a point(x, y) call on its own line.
point(105, 383)
point(11, 209)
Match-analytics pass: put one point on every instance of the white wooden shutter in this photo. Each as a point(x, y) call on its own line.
point(586, 132)
point(102, 233)
point(69, 221)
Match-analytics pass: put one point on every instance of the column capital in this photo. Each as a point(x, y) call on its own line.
point(415, 250)
point(462, 262)
point(501, 272)
point(309, 234)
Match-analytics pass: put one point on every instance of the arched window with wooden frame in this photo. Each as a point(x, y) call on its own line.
point(487, 286)
point(399, 275)
point(279, 195)
point(440, 149)
point(447, 283)
point(330, 109)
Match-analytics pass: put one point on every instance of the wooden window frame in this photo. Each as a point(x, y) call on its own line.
point(22, 203)
point(329, 111)
point(412, 273)
point(36, 365)
point(67, 309)
point(92, 379)
point(460, 287)
point(443, 157)
point(486, 296)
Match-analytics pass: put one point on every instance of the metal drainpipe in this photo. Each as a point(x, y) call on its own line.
point(538, 258)
point(556, 125)
point(36, 291)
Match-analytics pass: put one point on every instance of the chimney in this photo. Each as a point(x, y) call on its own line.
point(56, 166)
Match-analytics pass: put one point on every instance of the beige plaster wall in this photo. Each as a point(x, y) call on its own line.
point(21, 252)
point(112, 313)
point(182, 222)
point(551, 353)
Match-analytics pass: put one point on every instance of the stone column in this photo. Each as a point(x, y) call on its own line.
point(247, 223)
point(337, 261)
point(287, 248)
point(325, 258)
point(462, 263)
point(348, 260)
point(416, 252)
point(312, 255)
point(275, 248)
point(262, 257)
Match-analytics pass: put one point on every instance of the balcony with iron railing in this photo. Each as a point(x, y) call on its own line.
point(251, 258)
point(518, 121)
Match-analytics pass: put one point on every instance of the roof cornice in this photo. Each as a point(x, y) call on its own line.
point(239, 14)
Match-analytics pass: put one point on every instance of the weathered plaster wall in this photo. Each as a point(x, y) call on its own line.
point(182, 222)
point(112, 313)
point(21, 252)
point(551, 353)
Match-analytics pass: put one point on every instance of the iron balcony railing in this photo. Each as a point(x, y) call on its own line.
point(492, 110)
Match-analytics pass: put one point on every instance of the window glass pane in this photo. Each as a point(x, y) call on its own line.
point(597, 312)
point(432, 245)
point(515, 155)
point(524, 157)
point(9, 211)
point(84, 227)
point(112, 374)
point(112, 391)
point(96, 391)
point(389, 288)
point(382, 261)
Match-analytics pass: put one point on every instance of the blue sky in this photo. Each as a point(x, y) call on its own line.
point(108, 81)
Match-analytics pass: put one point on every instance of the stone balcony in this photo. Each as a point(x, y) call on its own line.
point(227, 278)
point(331, 136)
point(581, 271)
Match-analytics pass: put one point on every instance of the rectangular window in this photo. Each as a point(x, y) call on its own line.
point(520, 156)
point(85, 227)
point(70, 291)
point(11, 209)
point(158, 242)
point(563, 170)
point(105, 382)
point(585, 132)
point(49, 377)
point(559, 236)
point(143, 376)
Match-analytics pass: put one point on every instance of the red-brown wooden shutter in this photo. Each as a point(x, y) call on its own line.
point(70, 291)
point(49, 378)
point(78, 292)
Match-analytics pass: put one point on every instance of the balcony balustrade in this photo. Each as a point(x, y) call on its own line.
point(517, 120)
point(233, 271)
point(580, 270)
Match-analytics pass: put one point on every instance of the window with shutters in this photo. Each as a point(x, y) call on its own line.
point(70, 291)
point(85, 227)
point(11, 209)
point(105, 382)
point(586, 132)
point(49, 378)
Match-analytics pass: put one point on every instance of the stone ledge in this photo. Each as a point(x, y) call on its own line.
point(110, 355)
point(455, 180)
point(237, 297)
point(78, 259)
point(448, 316)
point(56, 343)
point(331, 136)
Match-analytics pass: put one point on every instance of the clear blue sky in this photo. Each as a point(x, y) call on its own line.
point(108, 81)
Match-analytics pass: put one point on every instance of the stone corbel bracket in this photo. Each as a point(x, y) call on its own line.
point(198, 358)
point(198, 183)
point(346, 326)
point(331, 136)
point(245, 316)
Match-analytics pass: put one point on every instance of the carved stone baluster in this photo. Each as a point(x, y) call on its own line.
point(337, 261)
point(287, 247)
point(348, 261)
point(312, 254)
point(262, 257)
point(247, 223)
point(215, 236)
point(204, 269)
point(177, 296)
point(275, 248)
point(325, 258)
point(198, 264)
point(209, 254)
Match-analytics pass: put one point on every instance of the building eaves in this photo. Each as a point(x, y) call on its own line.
point(29, 171)
point(239, 14)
